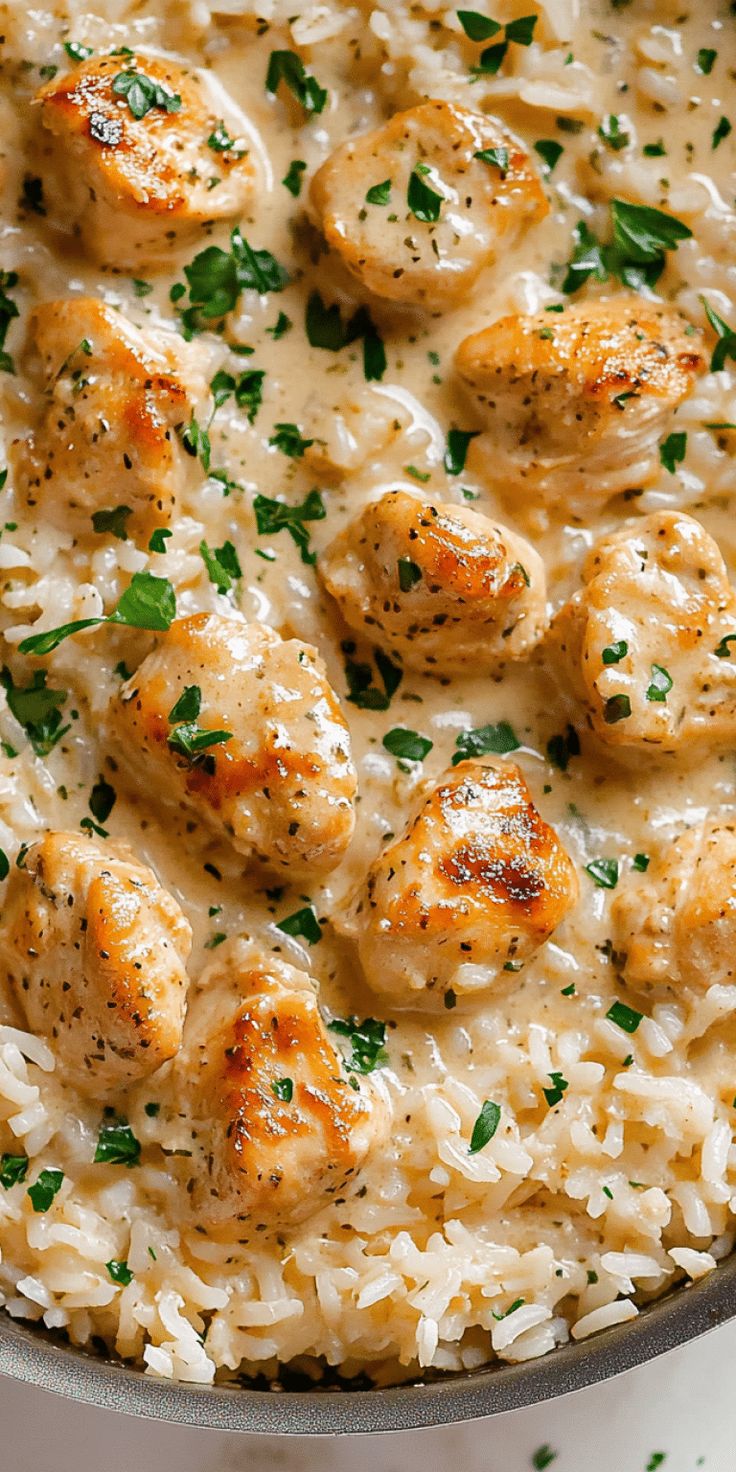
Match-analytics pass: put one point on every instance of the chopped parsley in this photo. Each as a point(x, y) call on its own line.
point(303, 923)
point(142, 93)
point(614, 653)
point(423, 201)
point(245, 388)
point(37, 709)
point(379, 193)
point(8, 311)
point(359, 675)
point(13, 1170)
point(325, 329)
point(554, 1094)
point(117, 1145)
point(276, 516)
point(641, 862)
point(457, 449)
point(561, 748)
point(550, 152)
point(221, 142)
point(293, 178)
point(603, 872)
point(613, 135)
point(726, 345)
point(147, 603)
point(77, 52)
point(721, 131)
point(410, 573)
point(500, 739)
point(216, 278)
point(287, 67)
point(485, 1126)
point(617, 708)
point(102, 800)
point(44, 1189)
point(367, 1041)
point(119, 1272)
point(498, 158)
point(159, 538)
point(543, 1457)
point(624, 1017)
point(113, 521)
point(722, 650)
point(706, 58)
point(477, 27)
point(672, 450)
point(283, 1089)
point(636, 254)
point(288, 439)
point(222, 564)
point(661, 684)
point(407, 745)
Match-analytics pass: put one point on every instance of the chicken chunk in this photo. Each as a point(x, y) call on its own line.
point(106, 439)
point(442, 586)
point(278, 1129)
point(96, 953)
point(676, 924)
point(130, 166)
point(650, 640)
point(477, 883)
point(278, 777)
point(414, 208)
point(576, 402)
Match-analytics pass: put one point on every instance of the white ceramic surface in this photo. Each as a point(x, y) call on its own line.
point(683, 1405)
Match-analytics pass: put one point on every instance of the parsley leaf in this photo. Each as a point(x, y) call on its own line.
point(102, 800)
point(147, 603)
point(8, 310)
point(216, 278)
point(554, 1094)
point(500, 739)
point(379, 193)
point(367, 1040)
point(142, 93)
point(190, 740)
point(407, 745)
point(543, 1457)
point(560, 749)
point(117, 1145)
point(119, 1272)
point(617, 708)
point(188, 706)
point(276, 516)
point(222, 564)
point(457, 449)
point(624, 1017)
point(410, 573)
point(158, 539)
point(361, 690)
point(37, 709)
point(485, 1126)
point(13, 1170)
point(603, 872)
point(550, 152)
point(293, 179)
point(721, 131)
point(477, 27)
point(288, 439)
point(112, 521)
point(283, 1088)
point(44, 1189)
point(423, 201)
point(287, 67)
point(302, 923)
point(661, 684)
point(726, 345)
point(498, 158)
point(76, 52)
point(672, 450)
point(614, 653)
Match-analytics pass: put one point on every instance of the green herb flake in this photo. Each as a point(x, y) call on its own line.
point(672, 451)
point(498, 158)
point(159, 538)
point(410, 573)
point(654, 150)
point(477, 27)
point(499, 739)
point(117, 1145)
point(303, 923)
point(721, 131)
point(614, 653)
point(222, 564)
point(37, 709)
point(423, 201)
point(616, 708)
point(112, 522)
point(288, 439)
point(287, 67)
point(603, 872)
point(143, 93)
point(13, 1170)
point(119, 1272)
point(379, 193)
point(407, 745)
point(44, 1189)
point(562, 748)
point(656, 1460)
point(8, 311)
point(456, 452)
point(550, 152)
point(102, 800)
point(77, 52)
point(283, 1089)
point(641, 862)
point(543, 1457)
point(624, 1017)
point(361, 690)
point(485, 1126)
point(705, 60)
point(554, 1094)
point(293, 178)
point(147, 603)
point(367, 1042)
point(613, 135)
point(661, 684)
point(216, 278)
point(275, 516)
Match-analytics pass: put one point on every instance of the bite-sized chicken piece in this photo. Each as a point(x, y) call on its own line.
point(576, 402)
point(279, 779)
point(96, 951)
point(278, 1129)
point(676, 923)
point(650, 639)
point(440, 586)
point(415, 212)
point(107, 438)
point(477, 883)
point(129, 166)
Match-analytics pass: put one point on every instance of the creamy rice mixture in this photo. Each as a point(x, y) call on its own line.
point(607, 1170)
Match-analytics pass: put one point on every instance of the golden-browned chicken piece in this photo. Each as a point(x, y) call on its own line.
point(96, 953)
point(440, 586)
point(129, 164)
point(243, 727)
point(650, 639)
point(576, 402)
point(676, 924)
point(477, 883)
point(278, 1130)
point(107, 436)
point(416, 210)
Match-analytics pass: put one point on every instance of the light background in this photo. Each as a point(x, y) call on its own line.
point(683, 1404)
